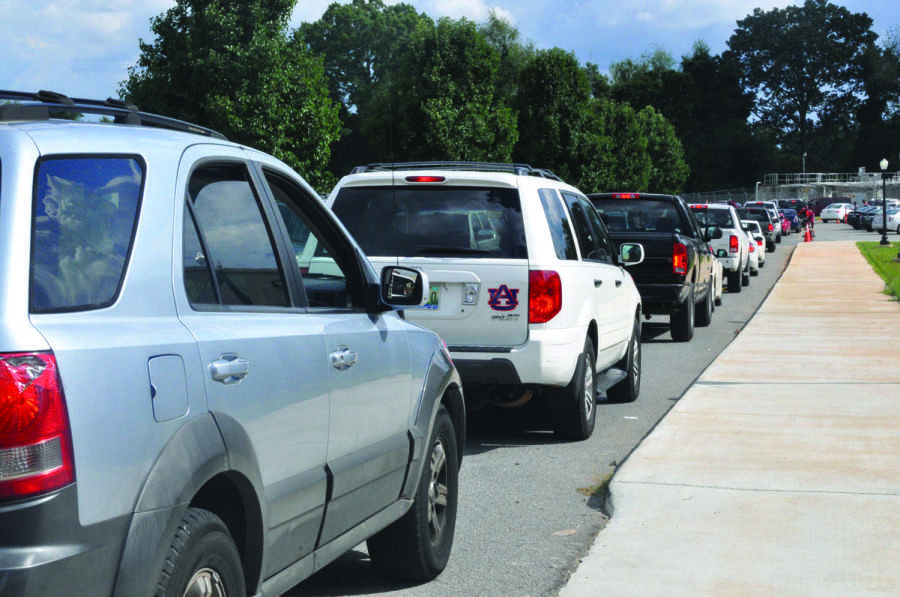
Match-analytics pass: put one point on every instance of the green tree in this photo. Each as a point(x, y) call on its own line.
point(553, 103)
point(805, 64)
point(229, 66)
point(440, 103)
point(668, 170)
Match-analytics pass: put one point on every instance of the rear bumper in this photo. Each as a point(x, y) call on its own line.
point(662, 299)
point(548, 358)
point(44, 551)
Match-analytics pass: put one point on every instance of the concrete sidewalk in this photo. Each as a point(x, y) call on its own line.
point(778, 471)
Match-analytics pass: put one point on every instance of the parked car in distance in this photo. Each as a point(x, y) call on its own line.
point(878, 219)
point(792, 218)
point(183, 409)
point(534, 301)
point(835, 212)
point(795, 204)
point(732, 249)
point(755, 231)
point(675, 278)
point(856, 216)
point(766, 223)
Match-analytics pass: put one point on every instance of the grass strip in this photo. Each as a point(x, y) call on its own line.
point(885, 260)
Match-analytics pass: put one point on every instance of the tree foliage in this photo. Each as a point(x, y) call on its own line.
point(230, 66)
point(806, 66)
point(441, 102)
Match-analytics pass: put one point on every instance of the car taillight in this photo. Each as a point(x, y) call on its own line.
point(771, 227)
point(752, 248)
point(759, 241)
point(626, 195)
point(35, 440)
point(544, 295)
point(733, 244)
point(679, 259)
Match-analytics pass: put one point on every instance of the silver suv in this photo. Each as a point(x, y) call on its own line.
point(183, 408)
point(526, 286)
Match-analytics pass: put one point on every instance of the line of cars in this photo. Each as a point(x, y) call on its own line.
point(870, 217)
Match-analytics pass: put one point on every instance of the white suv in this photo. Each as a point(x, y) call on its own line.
point(733, 247)
point(525, 286)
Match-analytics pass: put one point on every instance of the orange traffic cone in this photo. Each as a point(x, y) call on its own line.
point(807, 236)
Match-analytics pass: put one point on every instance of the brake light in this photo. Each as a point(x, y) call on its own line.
point(752, 248)
point(679, 259)
point(733, 245)
point(35, 439)
point(626, 195)
point(759, 242)
point(771, 227)
point(425, 179)
point(544, 296)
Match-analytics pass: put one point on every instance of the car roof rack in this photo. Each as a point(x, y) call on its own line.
point(517, 169)
point(44, 105)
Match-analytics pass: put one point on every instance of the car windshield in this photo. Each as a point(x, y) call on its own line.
point(433, 221)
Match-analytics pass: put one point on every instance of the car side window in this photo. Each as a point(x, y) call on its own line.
point(558, 221)
point(229, 257)
point(327, 266)
point(588, 229)
point(84, 216)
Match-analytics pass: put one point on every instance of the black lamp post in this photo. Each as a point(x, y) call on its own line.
point(884, 240)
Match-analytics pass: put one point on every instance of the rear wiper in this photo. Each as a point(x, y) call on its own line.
point(451, 250)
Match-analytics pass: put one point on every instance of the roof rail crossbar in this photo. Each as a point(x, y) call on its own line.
point(44, 105)
point(513, 168)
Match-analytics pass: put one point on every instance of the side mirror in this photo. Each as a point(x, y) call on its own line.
point(631, 253)
point(713, 233)
point(403, 286)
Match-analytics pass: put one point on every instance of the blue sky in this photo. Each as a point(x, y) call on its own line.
point(83, 48)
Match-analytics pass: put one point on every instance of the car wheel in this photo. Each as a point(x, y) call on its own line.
point(734, 281)
point(574, 407)
point(681, 322)
point(703, 312)
point(202, 560)
point(629, 388)
point(416, 548)
point(745, 276)
point(898, 229)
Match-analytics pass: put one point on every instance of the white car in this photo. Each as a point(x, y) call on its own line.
point(526, 287)
point(835, 212)
point(893, 219)
point(733, 248)
point(756, 234)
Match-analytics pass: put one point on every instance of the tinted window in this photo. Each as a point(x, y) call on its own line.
point(641, 215)
point(236, 240)
point(434, 221)
point(589, 229)
point(323, 266)
point(84, 216)
point(714, 217)
point(558, 221)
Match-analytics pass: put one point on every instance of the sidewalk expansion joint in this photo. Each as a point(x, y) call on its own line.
point(894, 493)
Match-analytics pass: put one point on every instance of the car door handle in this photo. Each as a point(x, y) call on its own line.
point(618, 283)
point(598, 283)
point(343, 358)
point(229, 369)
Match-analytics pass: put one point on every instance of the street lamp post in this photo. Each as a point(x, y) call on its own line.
point(884, 239)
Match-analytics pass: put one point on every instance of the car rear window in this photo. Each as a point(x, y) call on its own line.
point(83, 220)
point(434, 221)
point(720, 218)
point(640, 215)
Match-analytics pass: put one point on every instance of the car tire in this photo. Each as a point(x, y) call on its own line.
point(681, 322)
point(745, 276)
point(574, 407)
point(703, 312)
point(734, 281)
point(202, 559)
point(629, 388)
point(416, 548)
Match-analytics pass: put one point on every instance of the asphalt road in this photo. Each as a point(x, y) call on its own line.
point(526, 512)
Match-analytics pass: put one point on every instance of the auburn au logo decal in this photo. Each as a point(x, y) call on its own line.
point(504, 298)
